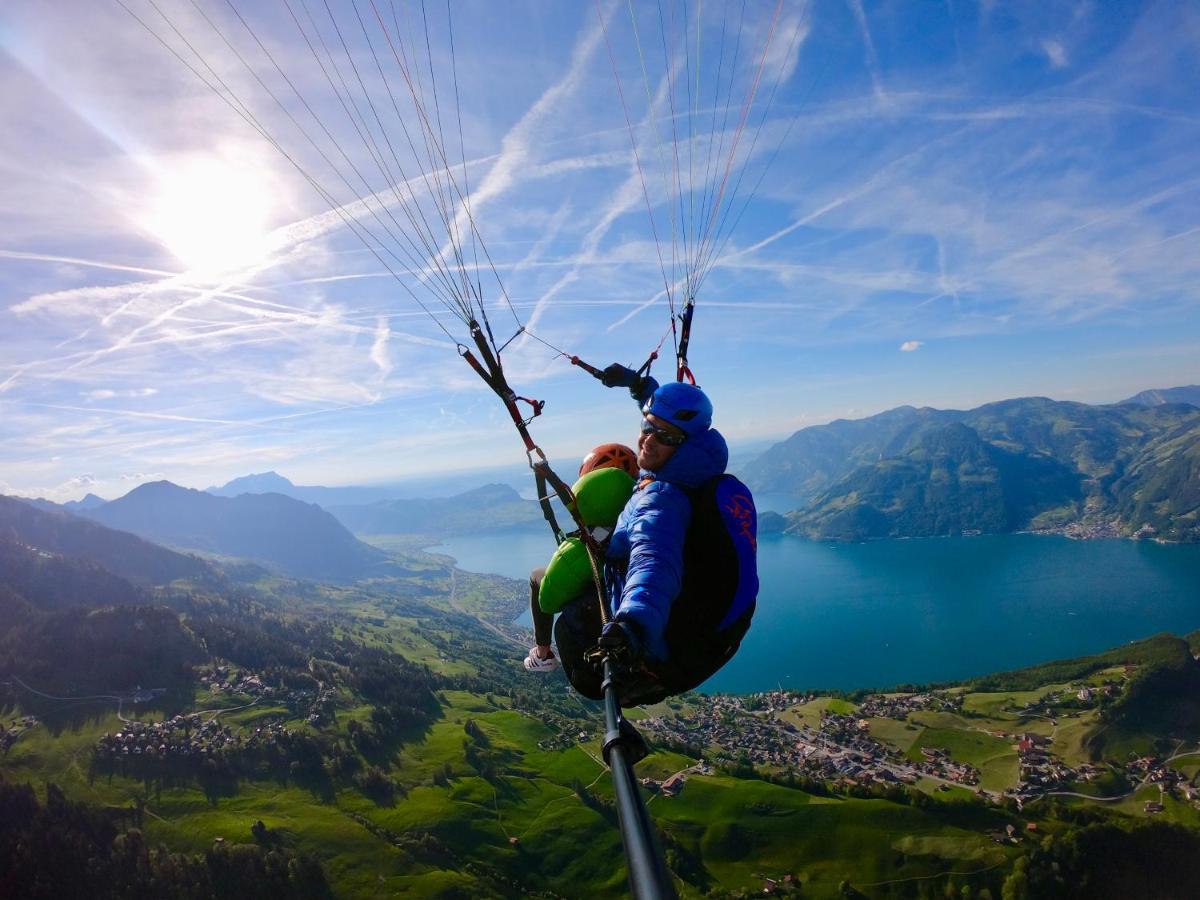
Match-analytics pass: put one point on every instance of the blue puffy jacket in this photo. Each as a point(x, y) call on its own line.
point(644, 562)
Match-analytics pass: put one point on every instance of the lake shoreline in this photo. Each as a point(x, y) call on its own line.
point(854, 616)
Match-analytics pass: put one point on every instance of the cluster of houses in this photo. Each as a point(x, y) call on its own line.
point(1077, 696)
point(1040, 771)
point(898, 706)
point(566, 731)
point(1083, 694)
point(217, 681)
point(846, 752)
point(937, 762)
point(727, 723)
point(1171, 782)
point(840, 751)
point(183, 737)
point(565, 737)
point(777, 701)
point(314, 706)
point(15, 729)
point(884, 764)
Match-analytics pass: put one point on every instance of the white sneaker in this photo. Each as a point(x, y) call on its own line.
point(534, 663)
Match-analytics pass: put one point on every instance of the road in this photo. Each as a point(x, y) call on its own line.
point(1141, 784)
point(457, 607)
point(115, 698)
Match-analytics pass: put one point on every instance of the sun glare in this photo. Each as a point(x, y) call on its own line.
point(212, 215)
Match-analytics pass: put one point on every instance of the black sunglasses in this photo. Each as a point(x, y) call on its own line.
point(662, 435)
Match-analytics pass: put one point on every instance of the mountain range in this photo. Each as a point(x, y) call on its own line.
point(487, 508)
point(364, 511)
point(281, 533)
point(274, 483)
point(1029, 463)
point(438, 485)
point(1032, 463)
point(1188, 394)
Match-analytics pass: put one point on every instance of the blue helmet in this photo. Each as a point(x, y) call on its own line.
point(683, 405)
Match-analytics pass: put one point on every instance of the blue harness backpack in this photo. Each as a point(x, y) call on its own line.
point(720, 584)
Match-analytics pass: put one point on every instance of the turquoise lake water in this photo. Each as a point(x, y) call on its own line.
point(889, 612)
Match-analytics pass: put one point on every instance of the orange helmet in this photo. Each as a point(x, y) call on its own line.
point(610, 456)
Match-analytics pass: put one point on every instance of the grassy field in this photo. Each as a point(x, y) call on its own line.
point(544, 818)
point(974, 747)
point(528, 826)
point(900, 735)
point(1071, 736)
point(810, 713)
point(999, 705)
point(747, 829)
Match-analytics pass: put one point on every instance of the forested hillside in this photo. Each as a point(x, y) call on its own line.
point(121, 553)
point(1031, 463)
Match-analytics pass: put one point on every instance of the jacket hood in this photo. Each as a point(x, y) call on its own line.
point(697, 460)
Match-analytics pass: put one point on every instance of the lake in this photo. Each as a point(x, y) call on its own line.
point(935, 609)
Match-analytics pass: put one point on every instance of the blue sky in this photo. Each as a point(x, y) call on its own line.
point(952, 203)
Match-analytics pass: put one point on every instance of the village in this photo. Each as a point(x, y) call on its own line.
point(840, 751)
point(189, 736)
point(315, 706)
point(899, 706)
point(201, 735)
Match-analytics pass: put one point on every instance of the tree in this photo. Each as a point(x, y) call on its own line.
point(1016, 885)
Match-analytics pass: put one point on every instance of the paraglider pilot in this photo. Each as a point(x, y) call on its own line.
point(678, 451)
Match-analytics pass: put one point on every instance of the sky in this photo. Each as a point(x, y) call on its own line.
point(230, 243)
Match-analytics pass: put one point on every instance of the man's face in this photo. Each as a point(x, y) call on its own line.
point(652, 452)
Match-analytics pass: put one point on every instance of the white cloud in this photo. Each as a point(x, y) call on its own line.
point(783, 55)
point(109, 394)
point(872, 58)
point(379, 349)
point(973, 207)
point(1056, 53)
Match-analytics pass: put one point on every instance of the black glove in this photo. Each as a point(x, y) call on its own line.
point(619, 640)
point(618, 375)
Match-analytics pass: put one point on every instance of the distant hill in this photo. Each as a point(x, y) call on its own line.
point(90, 501)
point(299, 539)
point(946, 480)
point(486, 508)
point(1189, 394)
point(439, 485)
point(814, 458)
point(262, 483)
point(325, 497)
point(1017, 464)
point(53, 581)
point(121, 553)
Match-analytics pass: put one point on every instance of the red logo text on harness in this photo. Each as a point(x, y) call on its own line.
point(741, 508)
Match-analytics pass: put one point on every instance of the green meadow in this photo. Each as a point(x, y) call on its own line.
point(529, 825)
point(504, 793)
